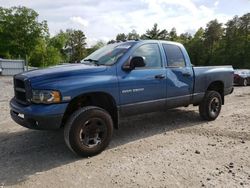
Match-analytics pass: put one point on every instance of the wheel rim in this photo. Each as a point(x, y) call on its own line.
point(93, 132)
point(214, 106)
point(245, 82)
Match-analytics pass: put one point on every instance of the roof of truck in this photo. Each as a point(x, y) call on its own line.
point(149, 41)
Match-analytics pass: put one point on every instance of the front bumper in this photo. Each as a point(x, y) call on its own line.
point(42, 117)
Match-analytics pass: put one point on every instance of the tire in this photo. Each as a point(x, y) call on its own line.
point(88, 131)
point(210, 106)
point(244, 83)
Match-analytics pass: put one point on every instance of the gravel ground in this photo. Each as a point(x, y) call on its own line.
point(164, 149)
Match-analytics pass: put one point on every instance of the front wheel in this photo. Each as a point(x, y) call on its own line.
point(88, 131)
point(210, 107)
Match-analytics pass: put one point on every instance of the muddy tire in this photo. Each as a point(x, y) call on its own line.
point(88, 131)
point(210, 106)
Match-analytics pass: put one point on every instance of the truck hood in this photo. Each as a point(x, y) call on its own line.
point(62, 71)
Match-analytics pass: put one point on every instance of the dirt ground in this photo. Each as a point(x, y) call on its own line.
point(164, 149)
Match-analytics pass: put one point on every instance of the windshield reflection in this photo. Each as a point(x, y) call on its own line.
point(108, 55)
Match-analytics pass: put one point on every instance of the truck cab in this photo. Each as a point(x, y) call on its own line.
point(167, 74)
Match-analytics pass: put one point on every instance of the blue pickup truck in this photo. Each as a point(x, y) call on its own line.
point(118, 80)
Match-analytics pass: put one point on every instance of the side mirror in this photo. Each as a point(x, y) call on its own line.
point(134, 62)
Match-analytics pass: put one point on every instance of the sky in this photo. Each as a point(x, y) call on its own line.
point(104, 19)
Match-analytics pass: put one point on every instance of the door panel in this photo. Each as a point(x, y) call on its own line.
point(143, 89)
point(141, 85)
point(179, 77)
point(179, 86)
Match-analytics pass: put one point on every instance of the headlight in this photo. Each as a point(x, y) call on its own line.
point(46, 96)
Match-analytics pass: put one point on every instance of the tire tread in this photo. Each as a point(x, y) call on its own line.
point(203, 107)
point(72, 119)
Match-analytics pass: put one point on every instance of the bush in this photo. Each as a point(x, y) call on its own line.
point(43, 56)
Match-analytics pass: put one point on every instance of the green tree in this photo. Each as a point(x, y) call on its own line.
point(95, 47)
point(184, 38)
point(213, 34)
point(20, 31)
point(76, 44)
point(53, 56)
point(155, 33)
point(236, 42)
point(59, 41)
point(244, 30)
point(230, 42)
point(98, 45)
point(173, 35)
point(195, 47)
point(133, 35)
point(43, 55)
point(38, 55)
point(112, 41)
point(121, 37)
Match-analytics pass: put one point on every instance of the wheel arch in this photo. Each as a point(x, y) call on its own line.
point(101, 99)
point(217, 86)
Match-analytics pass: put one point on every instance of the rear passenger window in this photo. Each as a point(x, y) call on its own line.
point(174, 55)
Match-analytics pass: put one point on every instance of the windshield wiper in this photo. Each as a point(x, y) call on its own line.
point(95, 62)
point(92, 60)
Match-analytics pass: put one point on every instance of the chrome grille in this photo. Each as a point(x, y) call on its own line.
point(21, 90)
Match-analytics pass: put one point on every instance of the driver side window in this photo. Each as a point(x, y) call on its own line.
point(151, 55)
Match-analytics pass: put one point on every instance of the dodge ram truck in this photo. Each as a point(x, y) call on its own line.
point(127, 78)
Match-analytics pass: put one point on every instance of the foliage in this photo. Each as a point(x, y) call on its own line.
point(52, 56)
point(43, 55)
point(20, 31)
point(236, 42)
point(173, 35)
point(121, 37)
point(133, 35)
point(155, 33)
point(59, 41)
point(95, 47)
point(213, 34)
point(23, 36)
point(38, 55)
point(195, 47)
point(111, 41)
point(215, 45)
point(76, 45)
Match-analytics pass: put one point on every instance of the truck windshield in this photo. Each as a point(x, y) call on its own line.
point(108, 55)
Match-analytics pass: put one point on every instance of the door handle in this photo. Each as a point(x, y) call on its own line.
point(186, 74)
point(160, 76)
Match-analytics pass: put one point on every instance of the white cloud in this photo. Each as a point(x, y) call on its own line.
point(103, 19)
point(216, 3)
point(79, 20)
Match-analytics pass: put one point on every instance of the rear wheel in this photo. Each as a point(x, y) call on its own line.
point(88, 131)
point(210, 107)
